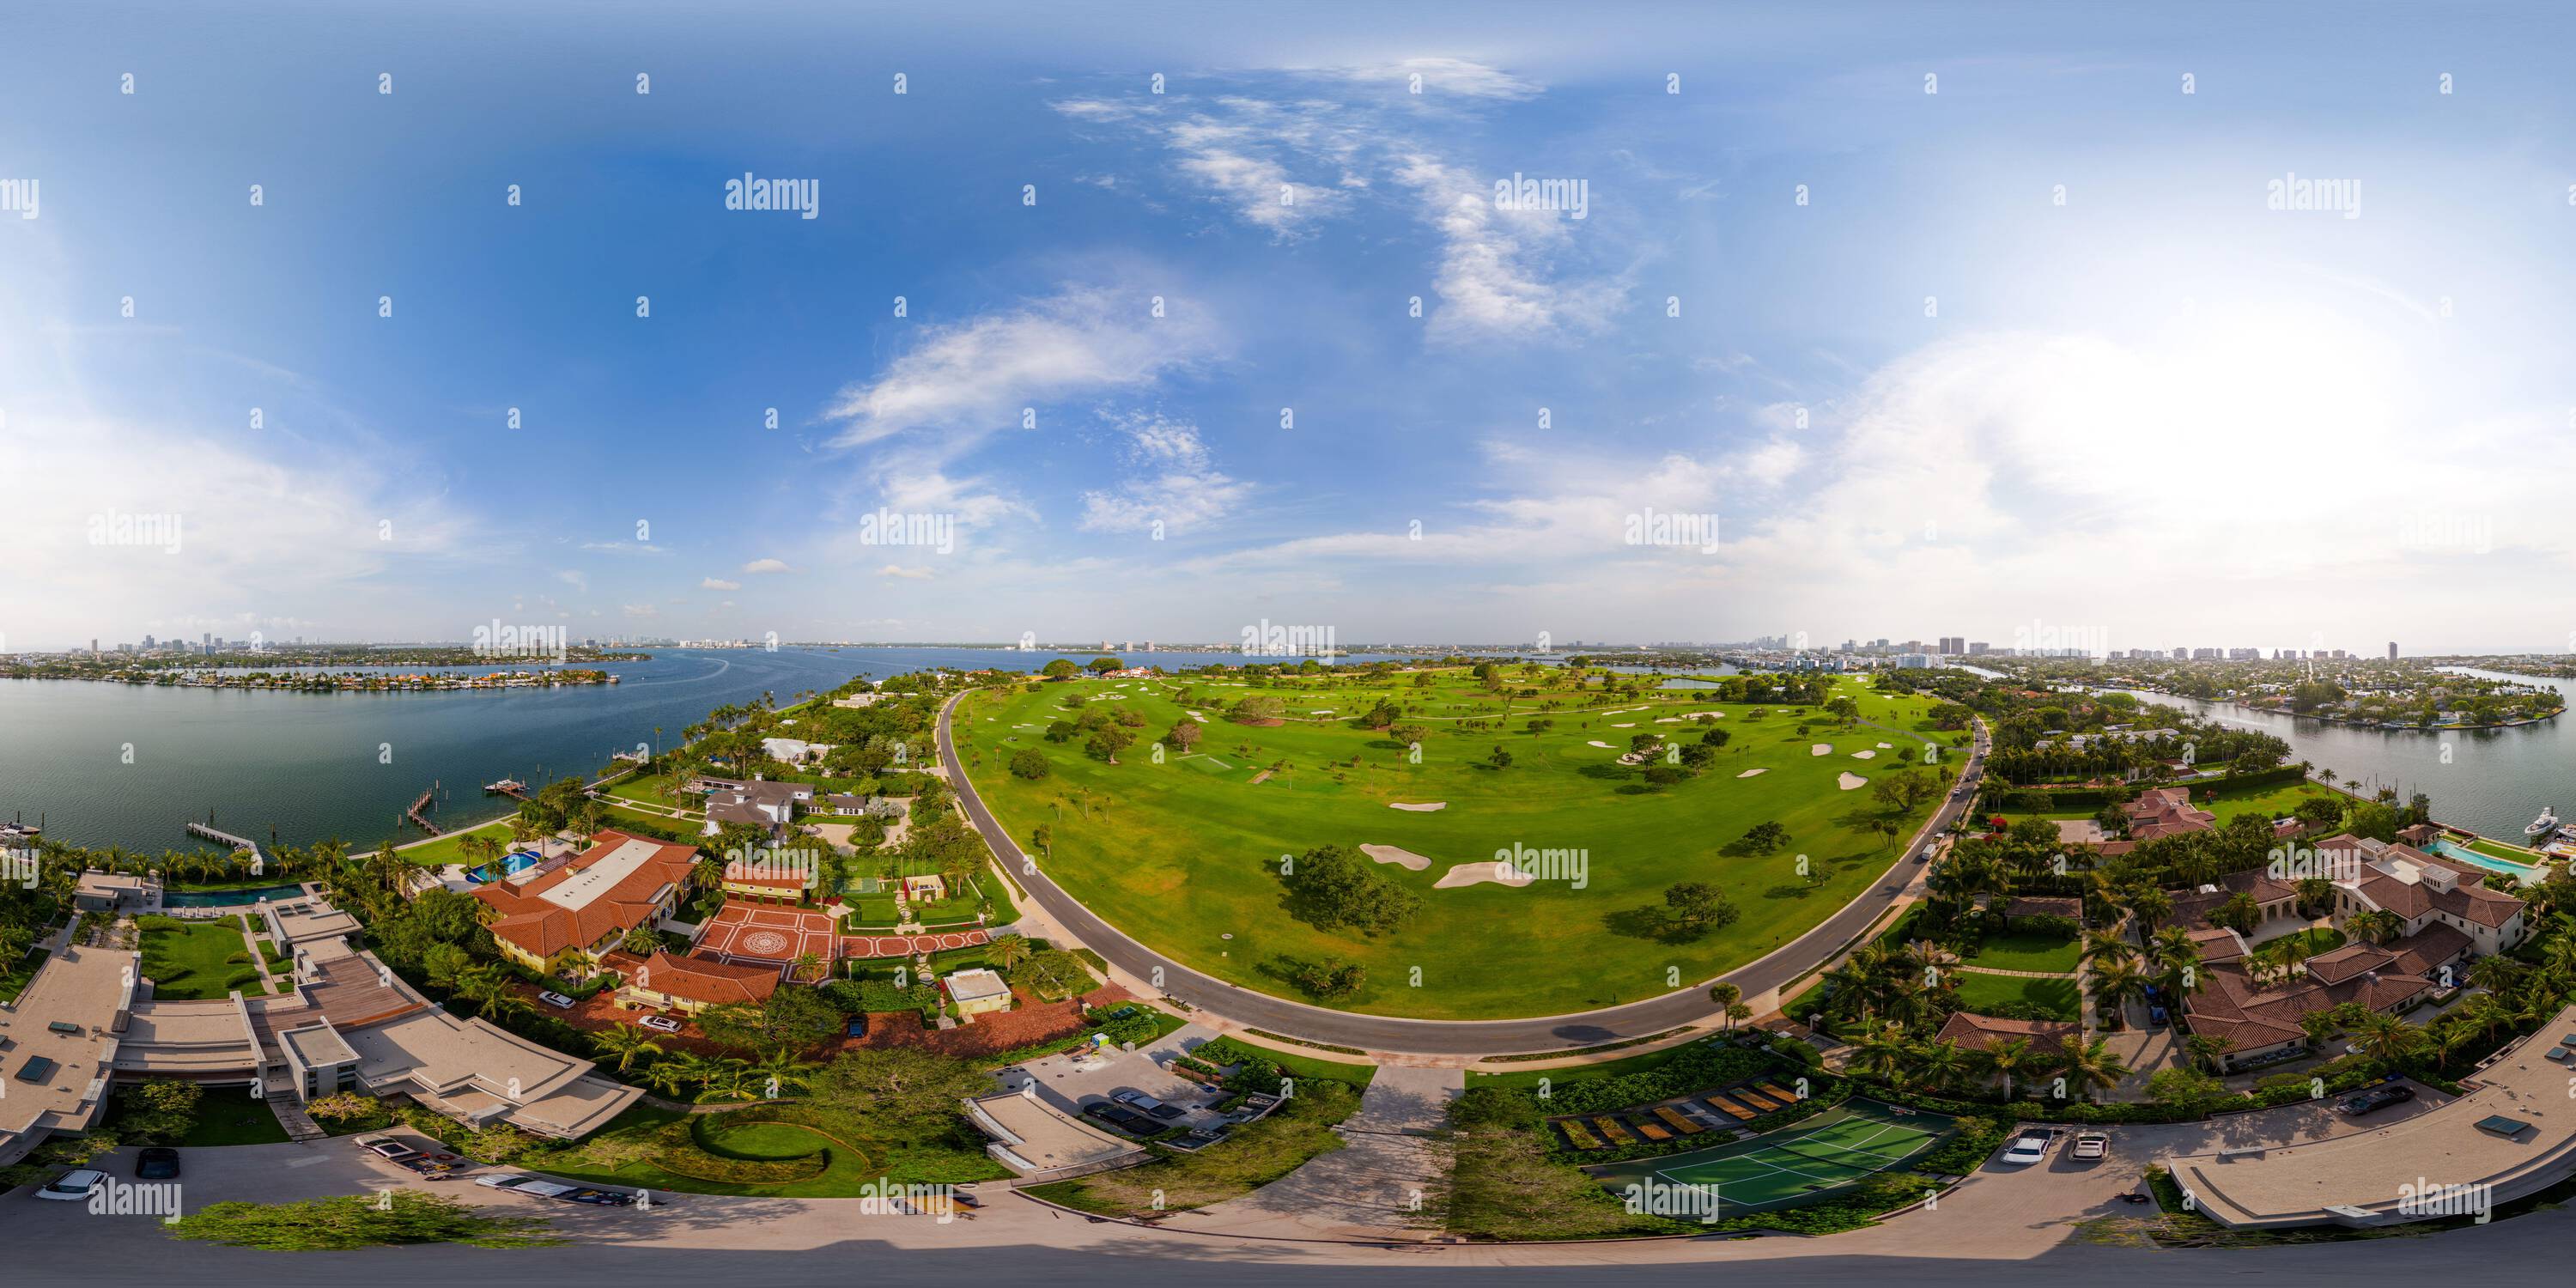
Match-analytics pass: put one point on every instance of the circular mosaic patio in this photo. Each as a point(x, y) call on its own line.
point(764, 943)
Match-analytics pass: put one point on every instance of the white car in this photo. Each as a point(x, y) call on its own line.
point(2092, 1146)
point(556, 1000)
point(72, 1187)
point(2029, 1149)
point(660, 1023)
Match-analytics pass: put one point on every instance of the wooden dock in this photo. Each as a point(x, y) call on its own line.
point(418, 814)
point(209, 832)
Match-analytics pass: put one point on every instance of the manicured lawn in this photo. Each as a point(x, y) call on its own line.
point(2509, 854)
point(451, 847)
point(1184, 853)
point(229, 1117)
point(2319, 939)
point(1523, 1079)
point(634, 1150)
point(2279, 801)
point(196, 961)
point(2027, 950)
point(652, 789)
point(14, 980)
point(1309, 1068)
point(1978, 992)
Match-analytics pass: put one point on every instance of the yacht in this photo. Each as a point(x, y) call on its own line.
point(2545, 824)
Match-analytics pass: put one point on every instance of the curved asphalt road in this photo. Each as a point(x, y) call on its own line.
point(1442, 1037)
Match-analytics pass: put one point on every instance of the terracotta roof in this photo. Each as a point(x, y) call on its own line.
point(695, 979)
point(1978, 1032)
point(576, 915)
point(2231, 1006)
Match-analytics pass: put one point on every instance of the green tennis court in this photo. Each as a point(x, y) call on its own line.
point(1798, 1164)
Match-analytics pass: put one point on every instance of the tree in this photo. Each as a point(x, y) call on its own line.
point(2184, 1088)
point(1258, 708)
point(1009, 951)
point(1725, 996)
point(1184, 735)
point(1765, 837)
point(2089, 1067)
point(2115, 984)
point(1029, 763)
point(2007, 1060)
point(1331, 887)
point(345, 1222)
point(1104, 665)
point(641, 940)
point(2240, 913)
point(898, 1093)
point(1698, 907)
point(1329, 978)
point(1501, 759)
point(2207, 1051)
point(622, 1043)
point(1060, 669)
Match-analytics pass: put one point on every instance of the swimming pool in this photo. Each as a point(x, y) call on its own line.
point(512, 864)
point(2450, 849)
point(228, 898)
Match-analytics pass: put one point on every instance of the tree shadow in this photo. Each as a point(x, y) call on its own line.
point(1651, 923)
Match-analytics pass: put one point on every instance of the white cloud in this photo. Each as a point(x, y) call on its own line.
point(718, 583)
point(766, 565)
point(972, 379)
point(573, 577)
point(1494, 276)
point(640, 610)
point(1177, 484)
point(907, 574)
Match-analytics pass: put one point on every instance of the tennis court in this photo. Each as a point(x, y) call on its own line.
point(1798, 1164)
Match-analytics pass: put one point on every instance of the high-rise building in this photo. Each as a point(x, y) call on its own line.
point(1953, 645)
point(2392, 650)
point(1978, 648)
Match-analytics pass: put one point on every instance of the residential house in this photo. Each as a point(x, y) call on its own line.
point(619, 883)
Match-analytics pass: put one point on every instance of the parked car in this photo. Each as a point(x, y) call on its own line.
point(502, 1180)
point(2092, 1146)
point(430, 1168)
point(385, 1147)
point(597, 1197)
point(556, 1000)
point(1138, 1100)
point(660, 1023)
point(2374, 1100)
point(72, 1187)
point(1120, 1117)
point(2029, 1149)
point(2156, 1015)
point(157, 1164)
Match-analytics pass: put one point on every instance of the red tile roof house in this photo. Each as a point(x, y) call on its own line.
point(1979, 1032)
point(2426, 891)
point(689, 984)
point(619, 883)
point(2262, 1020)
point(2165, 812)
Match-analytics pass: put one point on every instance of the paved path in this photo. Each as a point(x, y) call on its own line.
point(1442, 1037)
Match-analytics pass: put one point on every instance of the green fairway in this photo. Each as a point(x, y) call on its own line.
point(1182, 850)
point(1794, 1165)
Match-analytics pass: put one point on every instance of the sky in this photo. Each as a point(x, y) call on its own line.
point(2043, 325)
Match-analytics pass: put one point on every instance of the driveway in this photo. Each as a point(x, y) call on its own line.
point(1069, 1083)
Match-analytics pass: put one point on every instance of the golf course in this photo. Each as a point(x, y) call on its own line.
point(1533, 838)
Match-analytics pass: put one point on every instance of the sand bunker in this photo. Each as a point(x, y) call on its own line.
point(1419, 809)
point(1820, 749)
point(1603, 745)
point(1751, 772)
point(1629, 725)
point(1864, 755)
point(1887, 746)
point(1851, 780)
point(1389, 854)
point(1467, 874)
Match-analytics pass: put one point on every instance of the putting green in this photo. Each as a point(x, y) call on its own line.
point(1797, 1164)
point(1182, 850)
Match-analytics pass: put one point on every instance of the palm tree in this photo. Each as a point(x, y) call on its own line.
point(2151, 906)
point(572, 963)
point(2089, 1066)
point(2176, 961)
point(2319, 1026)
point(1725, 996)
point(808, 967)
point(2388, 1039)
point(2108, 945)
point(1940, 1064)
point(2114, 985)
point(625, 1042)
point(1880, 1053)
point(2377, 926)
point(782, 1068)
point(2008, 1059)
point(668, 1076)
point(641, 941)
point(2496, 974)
point(1009, 951)
point(2206, 1050)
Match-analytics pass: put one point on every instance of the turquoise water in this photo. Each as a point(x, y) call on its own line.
point(227, 898)
point(2464, 854)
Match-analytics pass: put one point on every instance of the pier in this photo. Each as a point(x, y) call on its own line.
point(508, 787)
point(209, 832)
point(418, 814)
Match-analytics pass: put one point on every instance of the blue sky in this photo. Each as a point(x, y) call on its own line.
point(1941, 396)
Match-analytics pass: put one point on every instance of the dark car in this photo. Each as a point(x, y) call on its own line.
point(1138, 1100)
point(1120, 1117)
point(157, 1164)
point(598, 1198)
point(2374, 1100)
point(2156, 1015)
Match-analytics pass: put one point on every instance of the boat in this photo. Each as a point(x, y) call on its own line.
point(506, 785)
point(2545, 824)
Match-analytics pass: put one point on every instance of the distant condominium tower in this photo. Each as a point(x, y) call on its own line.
point(2392, 650)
